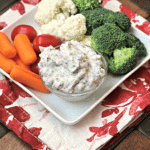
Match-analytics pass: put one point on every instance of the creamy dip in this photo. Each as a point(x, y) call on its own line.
point(73, 68)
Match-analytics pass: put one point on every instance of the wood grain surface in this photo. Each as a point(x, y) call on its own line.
point(6, 4)
point(144, 4)
point(3, 130)
point(11, 142)
point(135, 141)
point(135, 8)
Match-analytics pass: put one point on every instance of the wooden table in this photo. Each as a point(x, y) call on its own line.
point(134, 141)
point(10, 141)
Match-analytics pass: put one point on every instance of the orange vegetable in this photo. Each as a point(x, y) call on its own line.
point(28, 78)
point(6, 47)
point(28, 72)
point(20, 63)
point(24, 49)
point(6, 63)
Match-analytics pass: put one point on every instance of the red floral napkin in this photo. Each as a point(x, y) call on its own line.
point(40, 129)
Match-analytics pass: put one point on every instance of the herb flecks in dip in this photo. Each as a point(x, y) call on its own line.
point(73, 68)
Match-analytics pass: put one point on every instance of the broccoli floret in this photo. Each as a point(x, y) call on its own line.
point(109, 17)
point(83, 5)
point(107, 37)
point(123, 61)
point(100, 16)
point(97, 17)
point(122, 21)
point(92, 21)
point(132, 40)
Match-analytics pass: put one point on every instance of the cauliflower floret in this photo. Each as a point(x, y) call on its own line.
point(54, 9)
point(86, 40)
point(74, 27)
point(50, 28)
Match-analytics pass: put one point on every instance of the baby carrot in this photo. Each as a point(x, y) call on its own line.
point(6, 48)
point(6, 63)
point(20, 63)
point(28, 72)
point(24, 49)
point(27, 78)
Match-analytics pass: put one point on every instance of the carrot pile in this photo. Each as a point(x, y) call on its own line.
point(16, 60)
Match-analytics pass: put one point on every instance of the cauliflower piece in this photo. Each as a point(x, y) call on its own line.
point(54, 9)
point(50, 28)
point(73, 28)
point(86, 40)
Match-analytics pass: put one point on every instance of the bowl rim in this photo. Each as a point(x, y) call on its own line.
point(93, 89)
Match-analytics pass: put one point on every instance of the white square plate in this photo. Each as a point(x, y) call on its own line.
point(72, 112)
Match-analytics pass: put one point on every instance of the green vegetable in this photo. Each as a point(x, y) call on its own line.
point(97, 17)
point(123, 61)
point(132, 40)
point(107, 37)
point(83, 5)
point(122, 21)
point(100, 16)
point(109, 17)
point(121, 55)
